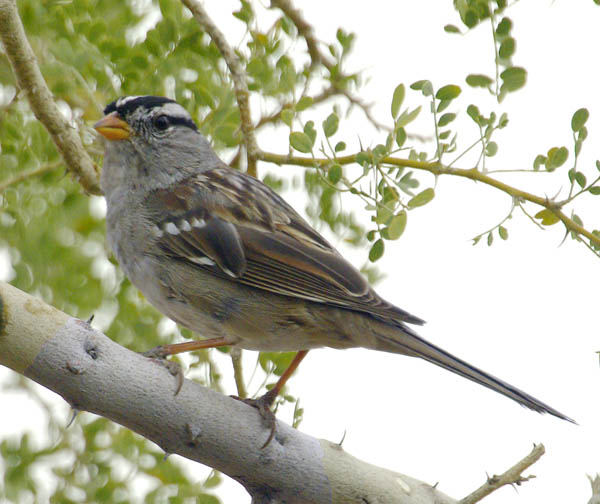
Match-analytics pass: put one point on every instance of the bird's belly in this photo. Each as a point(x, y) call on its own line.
point(246, 317)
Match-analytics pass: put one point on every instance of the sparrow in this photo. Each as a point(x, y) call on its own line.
point(222, 254)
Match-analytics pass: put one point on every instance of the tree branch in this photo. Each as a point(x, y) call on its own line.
point(305, 29)
point(238, 75)
point(595, 482)
point(439, 169)
point(31, 82)
point(510, 477)
point(93, 373)
point(238, 373)
point(29, 174)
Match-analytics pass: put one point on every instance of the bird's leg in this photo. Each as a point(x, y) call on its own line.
point(263, 403)
point(160, 353)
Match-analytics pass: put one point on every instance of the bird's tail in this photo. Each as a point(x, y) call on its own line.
point(410, 343)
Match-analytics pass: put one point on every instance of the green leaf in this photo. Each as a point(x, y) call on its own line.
point(384, 215)
point(513, 78)
point(580, 179)
point(490, 239)
point(479, 80)
point(443, 105)
point(491, 148)
point(330, 125)
point(407, 117)
point(287, 116)
point(397, 99)
point(597, 165)
point(301, 142)
point(309, 130)
point(507, 48)
point(278, 362)
point(363, 159)
point(504, 27)
point(556, 157)
point(446, 119)
point(448, 92)
point(595, 190)
point(503, 121)
point(547, 217)
point(539, 160)
point(422, 198)
point(450, 28)
point(418, 85)
point(503, 233)
point(376, 250)
point(400, 137)
point(397, 226)
point(304, 103)
point(340, 146)
point(424, 86)
point(579, 119)
point(334, 174)
point(473, 113)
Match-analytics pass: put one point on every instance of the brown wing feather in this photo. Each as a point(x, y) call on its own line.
point(263, 243)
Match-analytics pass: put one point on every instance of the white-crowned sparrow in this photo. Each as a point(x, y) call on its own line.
point(219, 252)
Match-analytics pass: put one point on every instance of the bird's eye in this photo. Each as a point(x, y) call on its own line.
point(161, 122)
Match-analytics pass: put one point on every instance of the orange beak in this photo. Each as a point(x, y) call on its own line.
point(113, 127)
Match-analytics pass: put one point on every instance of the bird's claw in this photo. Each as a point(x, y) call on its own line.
point(263, 405)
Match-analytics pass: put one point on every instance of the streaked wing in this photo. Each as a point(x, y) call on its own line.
point(259, 241)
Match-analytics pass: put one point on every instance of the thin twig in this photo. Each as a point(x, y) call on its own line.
point(439, 169)
point(30, 80)
point(305, 29)
point(321, 97)
point(236, 361)
point(238, 75)
point(28, 174)
point(510, 477)
point(366, 108)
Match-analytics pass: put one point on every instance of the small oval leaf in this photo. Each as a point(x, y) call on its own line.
point(446, 119)
point(287, 116)
point(301, 142)
point(304, 103)
point(513, 78)
point(376, 250)
point(397, 226)
point(422, 198)
point(397, 99)
point(448, 92)
point(330, 125)
point(579, 119)
point(478, 80)
point(334, 174)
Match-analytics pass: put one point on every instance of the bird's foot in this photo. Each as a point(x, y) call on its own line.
point(158, 355)
point(263, 405)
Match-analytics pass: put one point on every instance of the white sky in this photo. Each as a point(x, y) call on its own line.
point(524, 310)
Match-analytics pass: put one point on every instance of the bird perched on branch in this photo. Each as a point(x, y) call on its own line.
point(222, 254)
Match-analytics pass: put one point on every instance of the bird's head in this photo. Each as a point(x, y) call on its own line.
point(152, 141)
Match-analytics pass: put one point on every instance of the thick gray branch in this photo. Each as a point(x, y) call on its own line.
point(31, 81)
point(95, 374)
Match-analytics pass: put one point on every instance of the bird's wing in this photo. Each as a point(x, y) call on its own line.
point(235, 227)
